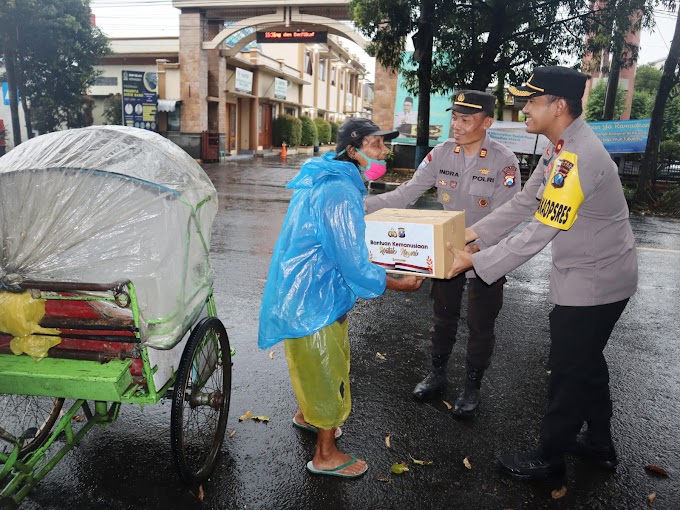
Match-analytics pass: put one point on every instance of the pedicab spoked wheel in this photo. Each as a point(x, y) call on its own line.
point(200, 401)
point(27, 420)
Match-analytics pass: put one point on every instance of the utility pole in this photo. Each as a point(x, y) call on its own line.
point(422, 42)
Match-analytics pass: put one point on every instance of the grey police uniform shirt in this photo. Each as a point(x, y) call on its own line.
point(476, 185)
point(594, 262)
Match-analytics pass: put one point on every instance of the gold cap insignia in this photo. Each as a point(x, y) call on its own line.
point(461, 97)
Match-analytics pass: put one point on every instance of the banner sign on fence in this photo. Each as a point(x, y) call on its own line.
point(622, 136)
point(515, 137)
point(140, 99)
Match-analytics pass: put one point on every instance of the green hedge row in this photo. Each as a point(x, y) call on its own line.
point(303, 131)
point(287, 128)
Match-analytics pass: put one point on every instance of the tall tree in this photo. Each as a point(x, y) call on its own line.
point(596, 103)
point(608, 30)
point(473, 40)
point(53, 49)
point(670, 78)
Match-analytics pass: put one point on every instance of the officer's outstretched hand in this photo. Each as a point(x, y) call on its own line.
point(408, 283)
point(462, 261)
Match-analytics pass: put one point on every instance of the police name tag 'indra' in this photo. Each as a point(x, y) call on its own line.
point(407, 241)
point(562, 195)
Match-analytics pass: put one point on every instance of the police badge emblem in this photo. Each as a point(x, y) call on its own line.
point(561, 174)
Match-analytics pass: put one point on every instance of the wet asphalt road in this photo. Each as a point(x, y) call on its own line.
point(128, 466)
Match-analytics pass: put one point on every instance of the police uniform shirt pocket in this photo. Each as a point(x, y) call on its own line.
point(482, 186)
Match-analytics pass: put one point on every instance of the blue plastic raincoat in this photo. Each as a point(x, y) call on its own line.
point(320, 263)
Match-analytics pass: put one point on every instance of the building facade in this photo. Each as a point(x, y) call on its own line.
point(217, 78)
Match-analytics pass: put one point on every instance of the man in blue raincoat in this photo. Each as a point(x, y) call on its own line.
point(319, 267)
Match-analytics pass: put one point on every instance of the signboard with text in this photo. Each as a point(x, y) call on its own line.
point(140, 99)
point(243, 81)
point(280, 88)
point(277, 36)
point(622, 136)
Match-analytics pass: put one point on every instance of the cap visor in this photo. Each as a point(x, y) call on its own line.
point(523, 91)
point(384, 133)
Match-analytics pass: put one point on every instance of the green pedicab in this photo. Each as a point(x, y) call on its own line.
point(105, 279)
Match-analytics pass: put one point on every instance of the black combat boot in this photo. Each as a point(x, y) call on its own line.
point(435, 381)
point(469, 398)
point(601, 454)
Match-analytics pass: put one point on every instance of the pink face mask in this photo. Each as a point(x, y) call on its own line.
point(376, 168)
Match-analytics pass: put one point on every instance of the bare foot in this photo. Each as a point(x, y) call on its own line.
point(327, 456)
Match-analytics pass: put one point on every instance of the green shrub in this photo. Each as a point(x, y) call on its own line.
point(334, 132)
point(287, 128)
point(389, 159)
point(323, 128)
point(669, 150)
point(309, 135)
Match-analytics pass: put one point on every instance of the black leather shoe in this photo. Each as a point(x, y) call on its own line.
point(531, 465)
point(432, 385)
point(602, 456)
point(469, 397)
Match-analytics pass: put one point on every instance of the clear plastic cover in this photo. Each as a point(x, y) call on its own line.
point(107, 203)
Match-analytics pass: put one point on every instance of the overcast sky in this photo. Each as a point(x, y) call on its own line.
point(145, 18)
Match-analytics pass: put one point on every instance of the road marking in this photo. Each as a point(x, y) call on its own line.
point(657, 249)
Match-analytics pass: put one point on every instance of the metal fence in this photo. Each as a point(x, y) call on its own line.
point(666, 171)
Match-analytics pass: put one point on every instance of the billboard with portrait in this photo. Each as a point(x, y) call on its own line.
point(406, 113)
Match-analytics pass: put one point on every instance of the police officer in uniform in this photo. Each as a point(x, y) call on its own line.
point(476, 174)
point(577, 202)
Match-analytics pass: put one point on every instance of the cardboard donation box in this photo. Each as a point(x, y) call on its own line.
point(408, 241)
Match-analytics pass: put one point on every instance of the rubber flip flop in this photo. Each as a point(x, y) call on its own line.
point(311, 428)
point(336, 471)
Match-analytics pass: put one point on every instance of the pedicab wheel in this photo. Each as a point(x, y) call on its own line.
point(200, 401)
point(28, 420)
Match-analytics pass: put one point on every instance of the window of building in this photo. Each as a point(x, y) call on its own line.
point(322, 69)
point(334, 70)
point(309, 62)
point(173, 119)
point(290, 111)
point(106, 81)
point(351, 84)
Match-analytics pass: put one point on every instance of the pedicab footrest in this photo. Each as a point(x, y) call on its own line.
point(54, 377)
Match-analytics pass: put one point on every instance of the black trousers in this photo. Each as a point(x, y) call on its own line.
point(579, 379)
point(484, 304)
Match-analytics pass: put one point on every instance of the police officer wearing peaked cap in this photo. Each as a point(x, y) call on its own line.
point(577, 202)
point(478, 175)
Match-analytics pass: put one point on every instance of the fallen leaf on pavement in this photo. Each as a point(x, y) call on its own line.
point(657, 470)
point(271, 354)
point(651, 498)
point(549, 372)
point(78, 418)
point(448, 406)
point(388, 440)
point(263, 419)
point(232, 432)
point(559, 493)
point(380, 356)
point(201, 494)
point(466, 463)
point(246, 416)
point(400, 468)
point(384, 479)
point(421, 462)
